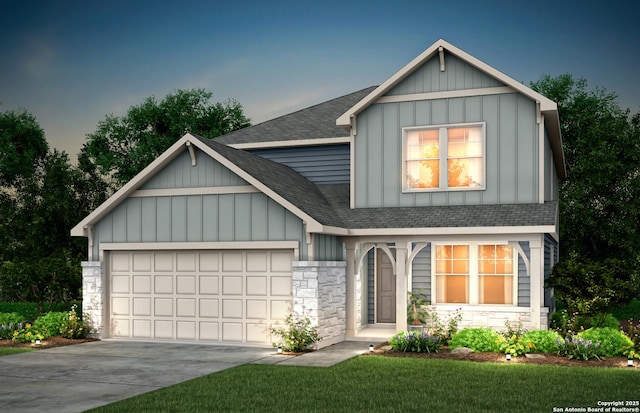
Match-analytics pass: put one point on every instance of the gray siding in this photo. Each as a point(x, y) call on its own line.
point(325, 164)
point(180, 174)
point(524, 281)
point(421, 272)
point(511, 150)
point(551, 181)
point(327, 248)
point(200, 218)
point(458, 75)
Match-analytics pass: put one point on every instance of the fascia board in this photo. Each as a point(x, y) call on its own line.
point(542, 229)
point(345, 119)
point(114, 200)
point(291, 143)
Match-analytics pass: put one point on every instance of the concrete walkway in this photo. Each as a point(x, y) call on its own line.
point(83, 376)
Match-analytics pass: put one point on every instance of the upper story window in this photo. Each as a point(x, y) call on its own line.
point(444, 157)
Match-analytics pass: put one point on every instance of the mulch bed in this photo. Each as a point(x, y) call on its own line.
point(549, 359)
point(48, 343)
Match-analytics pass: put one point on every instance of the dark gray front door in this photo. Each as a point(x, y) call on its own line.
point(385, 289)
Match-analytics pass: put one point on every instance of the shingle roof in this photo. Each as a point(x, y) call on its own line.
point(450, 216)
point(314, 122)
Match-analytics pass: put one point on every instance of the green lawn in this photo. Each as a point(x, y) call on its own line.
point(378, 383)
point(5, 351)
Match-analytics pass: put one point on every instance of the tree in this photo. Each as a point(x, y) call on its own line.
point(22, 143)
point(122, 146)
point(600, 199)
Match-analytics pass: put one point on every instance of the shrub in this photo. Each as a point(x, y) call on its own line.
point(10, 322)
point(513, 329)
point(477, 339)
point(297, 335)
point(612, 342)
point(568, 324)
point(75, 327)
point(6, 318)
point(444, 330)
point(545, 341)
point(633, 332)
point(578, 348)
point(54, 322)
point(631, 310)
point(30, 333)
point(416, 312)
point(415, 342)
point(514, 345)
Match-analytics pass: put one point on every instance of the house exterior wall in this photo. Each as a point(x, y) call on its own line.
point(181, 174)
point(319, 292)
point(421, 272)
point(550, 259)
point(323, 164)
point(511, 150)
point(458, 75)
point(524, 279)
point(551, 181)
point(327, 248)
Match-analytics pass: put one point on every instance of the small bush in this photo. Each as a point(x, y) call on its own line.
point(513, 329)
point(545, 341)
point(631, 310)
point(30, 333)
point(446, 329)
point(54, 322)
point(297, 335)
point(604, 320)
point(6, 318)
point(578, 348)
point(612, 342)
point(76, 327)
point(415, 342)
point(477, 339)
point(633, 332)
point(515, 345)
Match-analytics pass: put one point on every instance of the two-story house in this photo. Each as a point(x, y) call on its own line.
point(443, 179)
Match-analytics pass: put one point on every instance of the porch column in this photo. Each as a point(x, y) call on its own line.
point(401, 286)
point(351, 290)
point(537, 280)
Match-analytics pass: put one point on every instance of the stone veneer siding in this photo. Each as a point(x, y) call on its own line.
point(93, 295)
point(320, 292)
point(494, 318)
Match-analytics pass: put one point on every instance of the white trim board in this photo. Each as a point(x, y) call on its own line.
point(244, 189)
point(291, 143)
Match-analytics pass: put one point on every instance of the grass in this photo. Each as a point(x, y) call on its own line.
point(6, 351)
point(378, 383)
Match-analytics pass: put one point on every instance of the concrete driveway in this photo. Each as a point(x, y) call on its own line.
point(83, 376)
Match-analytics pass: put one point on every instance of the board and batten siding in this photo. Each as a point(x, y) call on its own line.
point(200, 218)
point(327, 248)
point(323, 164)
point(458, 75)
point(181, 174)
point(524, 280)
point(511, 150)
point(421, 272)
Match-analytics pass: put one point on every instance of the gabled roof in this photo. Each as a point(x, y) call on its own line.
point(315, 122)
point(548, 108)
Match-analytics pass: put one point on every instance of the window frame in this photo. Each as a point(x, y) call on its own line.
point(474, 273)
point(443, 177)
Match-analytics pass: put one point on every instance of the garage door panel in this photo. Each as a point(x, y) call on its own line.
point(186, 262)
point(257, 309)
point(163, 284)
point(256, 333)
point(163, 262)
point(232, 331)
point(163, 329)
point(142, 328)
point(142, 284)
point(209, 285)
point(186, 330)
point(231, 308)
point(186, 307)
point(142, 262)
point(231, 285)
point(186, 284)
point(141, 306)
point(209, 330)
point(163, 307)
point(257, 285)
point(209, 308)
point(218, 296)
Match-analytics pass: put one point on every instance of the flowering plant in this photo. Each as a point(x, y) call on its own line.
point(297, 335)
point(578, 348)
point(415, 341)
point(30, 333)
point(515, 345)
point(7, 329)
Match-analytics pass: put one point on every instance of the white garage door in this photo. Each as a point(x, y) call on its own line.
point(216, 296)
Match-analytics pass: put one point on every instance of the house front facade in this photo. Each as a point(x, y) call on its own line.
point(443, 180)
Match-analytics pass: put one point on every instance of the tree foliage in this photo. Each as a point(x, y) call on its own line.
point(22, 143)
point(600, 199)
point(122, 146)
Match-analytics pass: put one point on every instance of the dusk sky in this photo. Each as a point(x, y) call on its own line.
point(71, 63)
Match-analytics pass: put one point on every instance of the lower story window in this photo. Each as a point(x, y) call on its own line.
point(475, 274)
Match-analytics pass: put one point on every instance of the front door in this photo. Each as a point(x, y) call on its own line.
point(385, 289)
